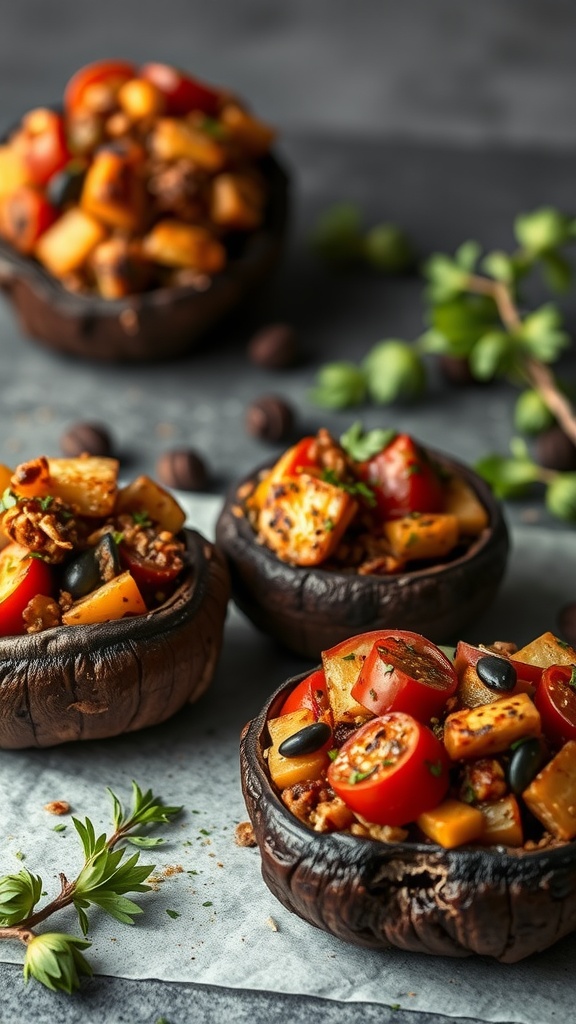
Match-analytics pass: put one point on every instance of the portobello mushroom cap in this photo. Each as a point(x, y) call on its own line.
point(154, 325)
point(95, 681)
point(497, 902)
point(310, 610)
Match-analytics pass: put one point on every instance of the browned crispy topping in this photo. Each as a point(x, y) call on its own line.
point(45, 526)
point(41, 613)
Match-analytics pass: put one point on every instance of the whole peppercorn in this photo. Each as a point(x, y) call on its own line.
point(567, 622)
point(269, 418)
point(555, 450)
point(274, 347)
point(182, 469)
point(89, 438)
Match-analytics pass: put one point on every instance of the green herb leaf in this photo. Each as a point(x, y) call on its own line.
point(142, 518)
point(55, 960)
point(358, 489)
point(531, 414)
point(435, 768)
point(8, 500)
point(362, 446)
point(19, 894)
point(337, 237)
point(542, 229)
point(173, 914)
point(333, 754)
point(388, 248)
point(339, 385)
point(355, 777)
point(560, 497)
point(508, 477)
point(146, 842)
point(394, 371)
point(490, 355)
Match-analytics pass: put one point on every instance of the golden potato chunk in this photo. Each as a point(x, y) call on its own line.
point(490, 728)
point(303, 519)
point(551, 796)
point(89, 483)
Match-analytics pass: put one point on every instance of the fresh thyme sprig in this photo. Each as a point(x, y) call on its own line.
point(55, 958)
point(475, 312)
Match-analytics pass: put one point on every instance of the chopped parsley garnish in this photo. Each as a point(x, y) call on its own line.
point(355, 777)
point(357, 489)
point(333, 754)
point(173, 914)
point(434, 767)
point(348, 657)
point(8, 500)
point(45, 502)
point(362, 446)
point(572, 680)
point(141, 519)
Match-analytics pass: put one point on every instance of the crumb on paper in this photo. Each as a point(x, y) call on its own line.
point(244, 834)
point(154, 881)
point(172, 869)
point(57, 807)
point(272, 924)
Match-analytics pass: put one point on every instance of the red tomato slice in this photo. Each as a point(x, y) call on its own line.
point(403, 480)
point(112, 73)
point(391, 770)
point(21, 579)
point(467, 654)
point(405, 672)
point(311, 693)
point(148, 574)
point(42, 144)
point(556, 701)
point(181, 92)
point(24, 216)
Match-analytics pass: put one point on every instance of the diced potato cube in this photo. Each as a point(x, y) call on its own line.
point(236, 202)
point(551, 796)
point(430, 535)
point(546, 650)
point(13, 173)
point(503, 823)
point(175, 139)
point(452, 823)
point(113, 191)
point(287, 771)
point(303, 519)
point(461, 500)
point(172, 243)
point(66, 245)
point(89, 483)
point(490, 728)
point(252, 135)
point(342, 665)
point(114, 600)
point(145, 495)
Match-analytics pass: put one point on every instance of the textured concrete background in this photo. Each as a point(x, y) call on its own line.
point(484, 94)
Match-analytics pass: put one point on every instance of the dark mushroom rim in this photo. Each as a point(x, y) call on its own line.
point(254, 244)
point(180, 607)
point(479, 486)
point(253, 742)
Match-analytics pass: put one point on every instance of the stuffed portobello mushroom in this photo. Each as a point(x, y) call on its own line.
point(111, 613)
point(375, 530)
point(401, 799)
point(138, 214)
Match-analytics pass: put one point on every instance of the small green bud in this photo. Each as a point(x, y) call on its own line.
point(388, 248)
point(55, 960)
point(339, 385)
point(531, 414)
point(542, 229)
point(337, 237)
point(489, 355)
point(561, 497)
point(19, 894)
point(394, 371)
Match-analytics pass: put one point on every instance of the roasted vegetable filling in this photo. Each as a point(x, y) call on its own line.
point(148, 178)
point(375, 510)
point(77, 549)
point(438, 760)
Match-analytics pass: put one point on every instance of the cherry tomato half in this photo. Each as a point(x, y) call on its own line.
point(405, 672)
point(556, 701)
point(102, 75)
point(391, 770)
point(41, 142)
point(21, 579)
point(152, 579)
point(181, 92)
point(403, 480)
point(24, 216)
point(312, 694)
point(467, 654)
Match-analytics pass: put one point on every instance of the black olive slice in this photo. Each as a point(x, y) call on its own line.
point(497, 673)
point(525, 764)
point(306, 740)
point(92, 568)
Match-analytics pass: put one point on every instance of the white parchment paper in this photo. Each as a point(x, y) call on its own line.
point(230, 931)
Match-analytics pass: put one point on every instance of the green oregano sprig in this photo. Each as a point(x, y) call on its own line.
point(475, 312)
point(55, 959)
